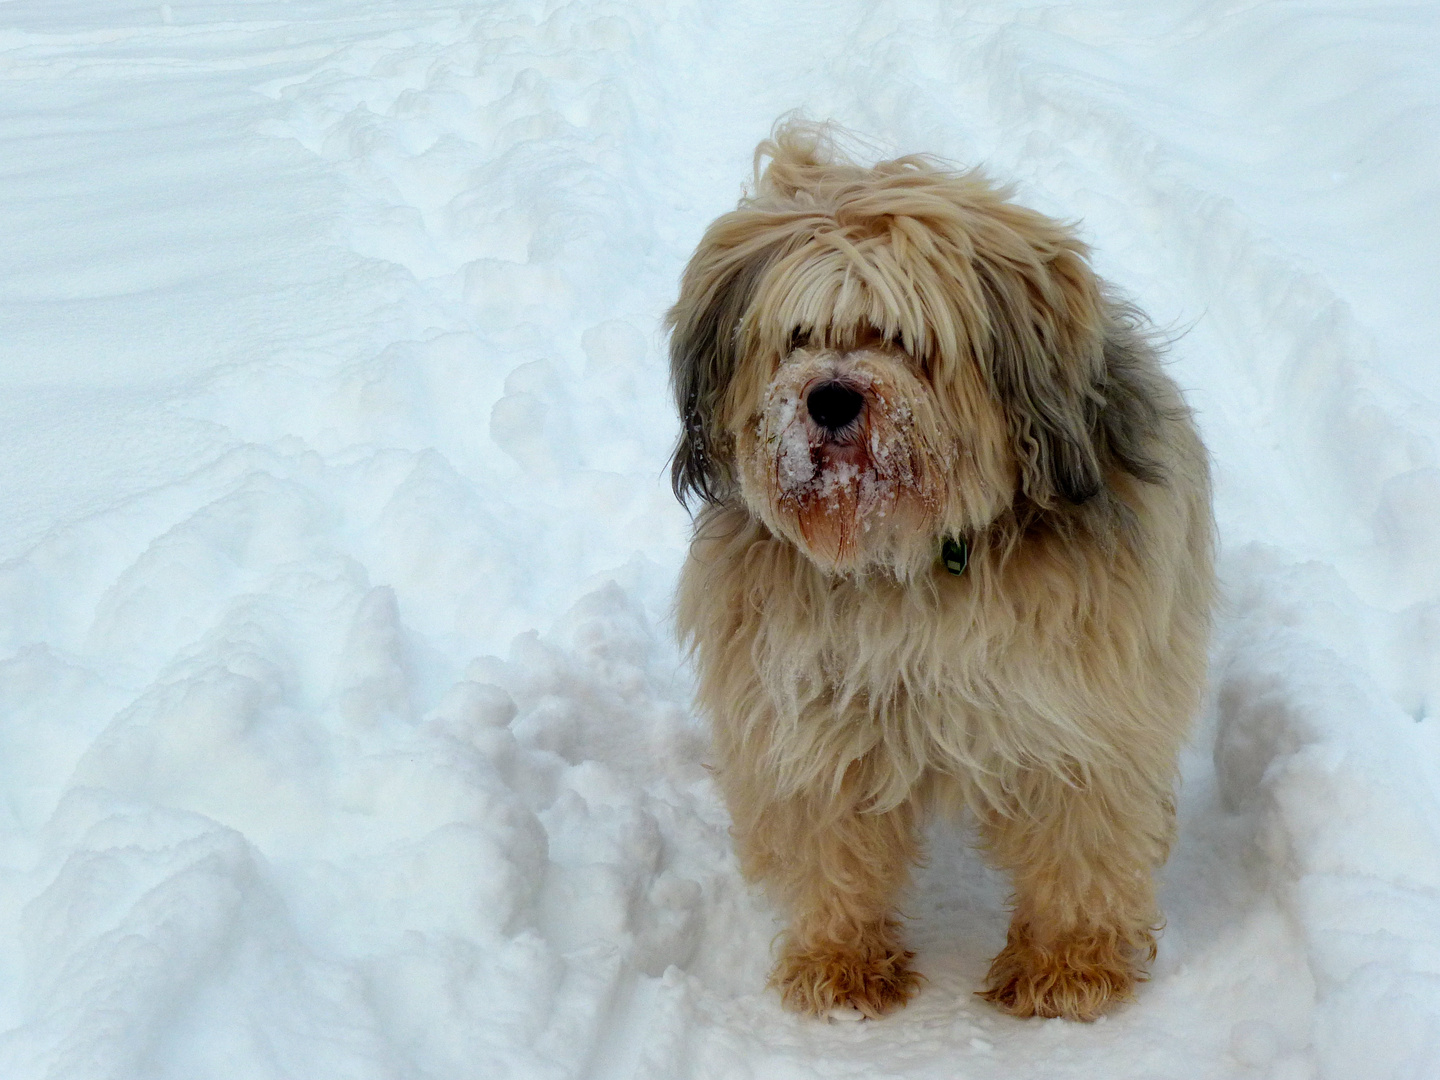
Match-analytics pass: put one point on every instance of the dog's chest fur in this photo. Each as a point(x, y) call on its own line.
point(971, 677)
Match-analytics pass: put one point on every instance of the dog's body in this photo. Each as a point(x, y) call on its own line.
point(871, 363)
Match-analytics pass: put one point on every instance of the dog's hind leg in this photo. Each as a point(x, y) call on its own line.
point(1082, 854)
point(839, 870)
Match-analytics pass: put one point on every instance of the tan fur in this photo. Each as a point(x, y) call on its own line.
point(853, 684)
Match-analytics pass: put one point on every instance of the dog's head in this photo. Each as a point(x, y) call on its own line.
point(876, 358)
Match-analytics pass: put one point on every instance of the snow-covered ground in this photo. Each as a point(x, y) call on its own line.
point(341, 729)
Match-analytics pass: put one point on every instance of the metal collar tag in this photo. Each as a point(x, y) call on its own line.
point(955, 554)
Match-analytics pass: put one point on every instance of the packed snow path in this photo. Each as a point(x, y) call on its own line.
point(341, 730)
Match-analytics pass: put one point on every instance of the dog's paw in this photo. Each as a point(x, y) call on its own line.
point(1078, 979)
point(826, 980)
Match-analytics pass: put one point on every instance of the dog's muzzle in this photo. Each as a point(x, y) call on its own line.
point(839, 462)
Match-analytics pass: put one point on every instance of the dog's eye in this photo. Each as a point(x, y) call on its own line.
point(897, 340)
point(799, 338)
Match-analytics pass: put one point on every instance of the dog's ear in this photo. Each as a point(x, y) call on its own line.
point(1047, 327)
point(1074, 369)
point(1136, 398)
point(706, 325)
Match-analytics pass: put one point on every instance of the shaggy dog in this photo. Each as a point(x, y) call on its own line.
point(955, 551)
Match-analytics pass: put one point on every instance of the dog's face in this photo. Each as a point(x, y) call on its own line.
point(844, 446)
point(872, 359)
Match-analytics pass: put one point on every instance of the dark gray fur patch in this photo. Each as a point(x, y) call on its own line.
point(1066, 436)
point(703, 355)
point(1137, 400)
point(1052, 422)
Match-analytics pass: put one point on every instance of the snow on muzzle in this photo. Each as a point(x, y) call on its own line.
point(839, 460)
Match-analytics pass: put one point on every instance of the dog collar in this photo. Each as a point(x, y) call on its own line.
point(955, 554)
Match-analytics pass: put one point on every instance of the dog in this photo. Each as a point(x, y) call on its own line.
point(954, 553)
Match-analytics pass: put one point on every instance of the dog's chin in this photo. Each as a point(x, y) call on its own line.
point(843, 509)
point(851, 519)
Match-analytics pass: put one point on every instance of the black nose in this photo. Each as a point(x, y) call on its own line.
point(832, 405)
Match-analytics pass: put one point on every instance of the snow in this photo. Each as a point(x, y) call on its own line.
point(341, 729)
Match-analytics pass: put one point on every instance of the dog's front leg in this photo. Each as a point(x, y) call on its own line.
point(838, 869)
point(1082, 854)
